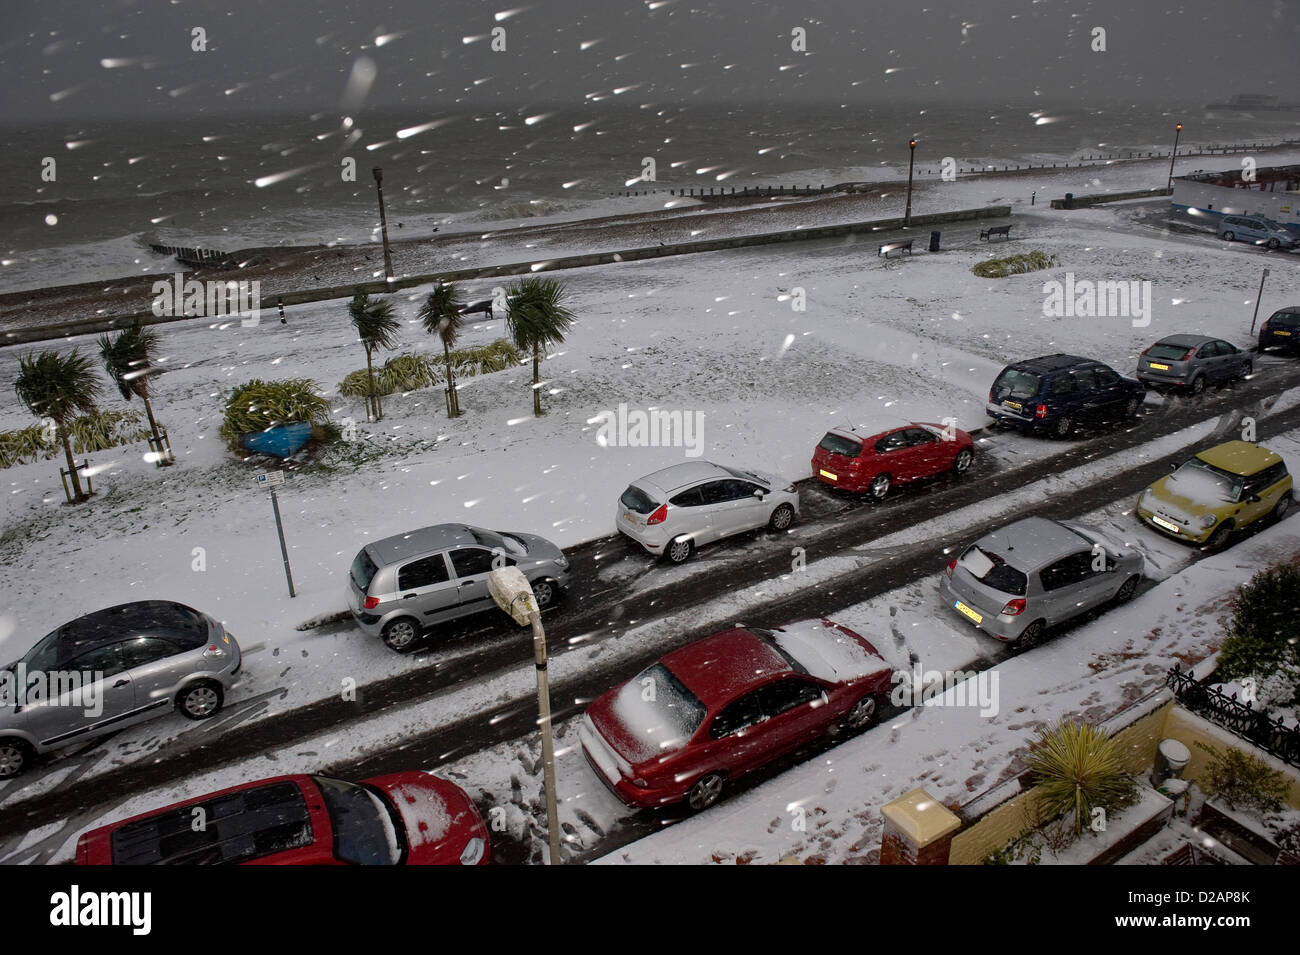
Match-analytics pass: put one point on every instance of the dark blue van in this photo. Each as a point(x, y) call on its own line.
point(1057, 393)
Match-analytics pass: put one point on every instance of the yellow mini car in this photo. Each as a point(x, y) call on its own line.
point(1219, 491)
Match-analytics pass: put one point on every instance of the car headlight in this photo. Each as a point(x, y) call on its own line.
point(472, 854)
point(562, 562)
point(1209, 520)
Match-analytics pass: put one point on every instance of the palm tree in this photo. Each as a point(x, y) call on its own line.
point(129, 362)
point(536, 317)
point(440, 314)
point(59, 387)
point(377, 329)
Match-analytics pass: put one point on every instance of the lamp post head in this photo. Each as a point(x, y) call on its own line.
point(378, 174)
point(911, 144)
point(1178, 128)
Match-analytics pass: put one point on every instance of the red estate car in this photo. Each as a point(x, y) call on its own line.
point(872, 458)
point(410, 818)
point(722, 706)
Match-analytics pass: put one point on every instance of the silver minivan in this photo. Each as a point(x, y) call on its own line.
point(1019, 580)
point(1256, 229)
point(111, 669)
point(400, 586)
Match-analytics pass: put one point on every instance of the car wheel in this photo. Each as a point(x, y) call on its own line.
point(1283, 506)
point(200, 700)
point(1272, 245)
point(1133, 406)
point(14, 756)
point(1229, 236)
point(706, 791)
point(679, 550)
point(862, 714)
point(1219, 539)
point(781, 518)
point(401, 634)
point(961, 464)
point(1064, 427)
point(1246, 371)
point(545, 592)
point(1127, 590)
point(1197, 387)
point(1032, 636)
point(880, 486)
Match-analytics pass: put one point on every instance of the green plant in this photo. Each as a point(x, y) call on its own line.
point(97, 432)
point(1014, 265)
point(1264, 637)
point(1242, 780)
point(1077, 768)
point(59, 387)
point(415, 370)
point(129, 361)
point(441, 315)
point(376, 328)
point(260, 405)
point(537, 318)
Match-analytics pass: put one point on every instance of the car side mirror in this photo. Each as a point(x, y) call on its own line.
point(759, 494)
point(1254, 499)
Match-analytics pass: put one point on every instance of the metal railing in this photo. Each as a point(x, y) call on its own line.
point(1238, 717)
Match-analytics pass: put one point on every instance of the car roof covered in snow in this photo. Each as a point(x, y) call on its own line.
point(413, 543)
point(680, 475)
point(1240, 457)
point(719, 668)
point(1033, 542)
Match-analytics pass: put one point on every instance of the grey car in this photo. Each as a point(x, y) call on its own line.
point(1257, 229)
point(1021, 579)
point(1190, 362)
point(110, 669)
point(400, 586)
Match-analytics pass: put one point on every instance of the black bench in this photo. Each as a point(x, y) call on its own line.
point(1002, 230)
point(899, 247)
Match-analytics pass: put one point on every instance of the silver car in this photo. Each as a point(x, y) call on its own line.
point(402, 585)
point(672, 512)
point(1036, 573)
point(110, 669)
point(1190, 362)
point(1257, 229)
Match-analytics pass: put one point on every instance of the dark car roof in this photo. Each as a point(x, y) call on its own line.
point(719, 668)
point(114, 624)
point(1187, 341)
point(1050, 363)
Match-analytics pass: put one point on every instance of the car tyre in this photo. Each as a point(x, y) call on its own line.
point(1229, 236)
point(962, 462)
point(401, 634)
point(1272, 245)
point(1197, 387)
point(1132, 407)
point(861, 714)
point(1031, 637)
point(880, 485)
point(200, 701)
point(15, 755)
point(1219, 539)
point(545, 593)
point(706, 791)
point(1127, 590)
point(1246, 371)
point(1283, 506)
point(679, 550)
point(1064, 427)
point(781, 518)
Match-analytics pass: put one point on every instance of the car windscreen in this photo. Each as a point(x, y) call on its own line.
point(1198, 481)
point(1285, 319)
point(746, 476)
point(364, 833)
point(635, 499)
point(489, 539)
point(1015, 383)
point(838, 444)
point(363, 571)
point(1162, 352)
point(992, 571)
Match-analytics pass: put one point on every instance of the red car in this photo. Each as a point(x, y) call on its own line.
point(873, 459)
point(712, 711)
point(410, 818)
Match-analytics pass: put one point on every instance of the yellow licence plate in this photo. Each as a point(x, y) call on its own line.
point(973, 614)
point(1159, 367)
point(1276, 332)
point(1013, 405)
point(828, 476)
point(1167, 525)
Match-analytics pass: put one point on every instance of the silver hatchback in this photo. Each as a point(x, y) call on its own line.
point(1036, 573)
point(1257, 229)
point(402, 585)
point(1190, 362)
point(110, 669)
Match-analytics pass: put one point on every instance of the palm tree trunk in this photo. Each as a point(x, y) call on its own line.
point(371, 407)
point(537, 391)
point(77, 496)
point(453, 402)
point(164, 458)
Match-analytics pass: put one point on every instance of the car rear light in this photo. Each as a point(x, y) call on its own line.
point(990, 396)
point(952, 565)
point(659, 516)
point(1040, 411)
point(213, 651)
point(371, 603)
point(1014, 608)
point(1187, 355)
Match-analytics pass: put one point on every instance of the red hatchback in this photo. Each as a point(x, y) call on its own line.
point(714, 710)
point(410, 818)
point(871, 459)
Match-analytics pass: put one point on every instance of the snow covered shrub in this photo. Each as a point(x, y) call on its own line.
point(96, 432)
point(414, 370)
point(259, 405)
point(1014, 265)
point(1077, 769)
point(1242, 780)
point(1264, 637)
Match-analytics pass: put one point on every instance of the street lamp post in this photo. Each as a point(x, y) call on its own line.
point(1178, 131)
point(1257, 300)
point(383, 223)
point(911, 159)
point(513, 594)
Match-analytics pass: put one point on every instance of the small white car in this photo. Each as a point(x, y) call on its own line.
point(672, 512)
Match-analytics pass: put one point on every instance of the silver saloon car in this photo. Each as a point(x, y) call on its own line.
point(110, 669)
point(1021, 579)
point(672, 512)
point(1190, 362)
point(400, 586)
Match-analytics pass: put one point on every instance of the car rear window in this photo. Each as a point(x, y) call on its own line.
point(635, 499)
point(364, 833)
point(1168, 352)
point(1286, 319)
point(838, 444)
point(658, 712)
point(992, 571)
point(363, 571)
point(1015, 383)
point(236, 827)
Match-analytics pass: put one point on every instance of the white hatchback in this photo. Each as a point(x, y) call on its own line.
point(672, 512)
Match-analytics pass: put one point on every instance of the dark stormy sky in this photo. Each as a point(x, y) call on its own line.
point(81, 59)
